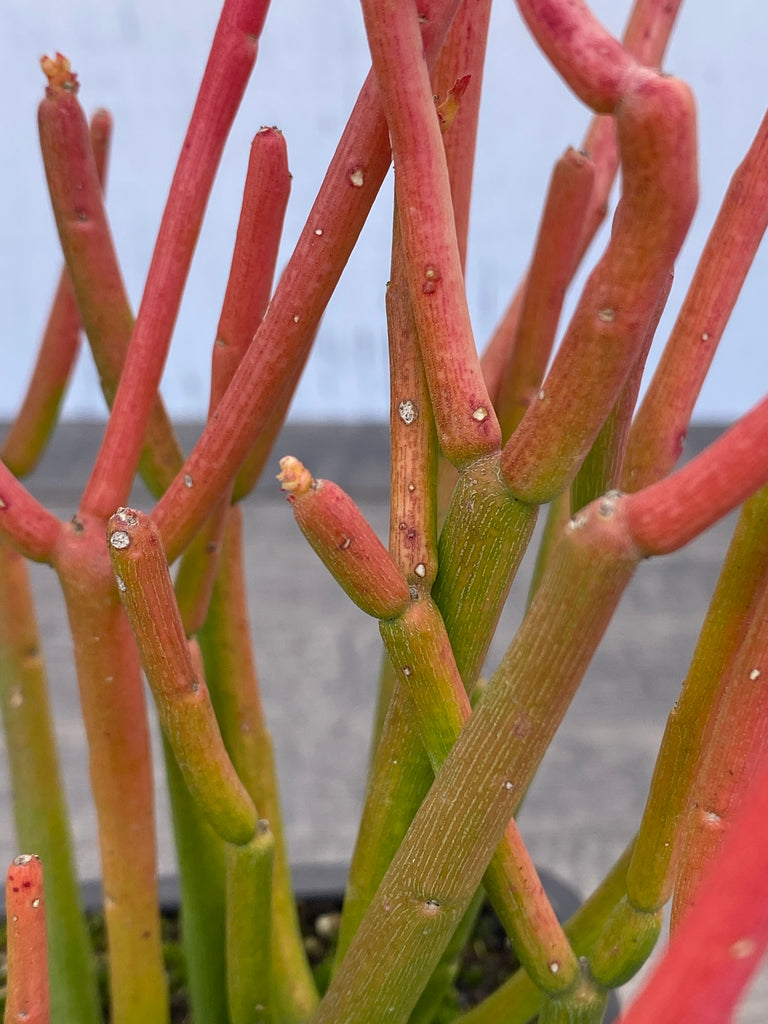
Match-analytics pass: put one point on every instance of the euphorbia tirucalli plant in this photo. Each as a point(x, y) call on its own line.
point(478, 445)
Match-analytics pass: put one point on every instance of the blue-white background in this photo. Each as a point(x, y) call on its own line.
point(143, 60)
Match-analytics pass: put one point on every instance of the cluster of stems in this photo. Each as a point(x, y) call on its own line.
point(478, 445)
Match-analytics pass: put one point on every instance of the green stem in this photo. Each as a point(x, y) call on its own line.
point(438, 867)
point(482, 543)
point(517, 1001)
point(418, 646)
point(231, 673)
point(181, 696)
point(200, 856)
point(249, 928)
point(400, 776)
point(743, 579)
point(40, 808)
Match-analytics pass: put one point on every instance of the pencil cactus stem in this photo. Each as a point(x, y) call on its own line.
point(735, 747)
point(249, 931)
point(28, 992)
point(24, 443)
point(181, 696)
point(75, 188)
point(517, 998)
point(233, 682)
point(661, 423)
point(656, 130)
point(591, 61)
point(346, 195)
point(601, 470)
point(743, 577)
point(627, 940)
point(40, 813)
point(418, 646)
point(551, 269)
point(466, 422)
point(120, 766)
point(59, 347)
point(668, 514)
point(721, 941)
point(345, 542)
point(463, 54)
point(413, 460)
point(246, 298)
point(232, 55)
point(28, 525)
point(482, 543)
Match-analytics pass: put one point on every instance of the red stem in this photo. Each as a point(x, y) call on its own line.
point(463, 53)
point(735, 750)
point(120, 767)
point(657, 141)
point(666, 515)
point(593, 63)
point(551, 268)
point(466, 423)
point(345, 197)
point(27, 437)
point(27, 524)
point(231, 59)
point(720, 942)
point(645, 37)
point(86, 240)
point(265, 197)
point(659, 430)
point(28, 995)
point(23, 444)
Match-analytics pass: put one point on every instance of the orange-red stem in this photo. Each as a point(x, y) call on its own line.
point(466, 422)
point(28, 993)
point(231, 59)
point(336, 219)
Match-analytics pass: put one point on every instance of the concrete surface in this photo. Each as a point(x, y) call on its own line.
point(318, 659)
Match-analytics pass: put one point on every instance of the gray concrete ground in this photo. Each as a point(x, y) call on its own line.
point(318, 659)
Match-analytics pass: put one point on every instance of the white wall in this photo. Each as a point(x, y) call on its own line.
point(143, 60)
